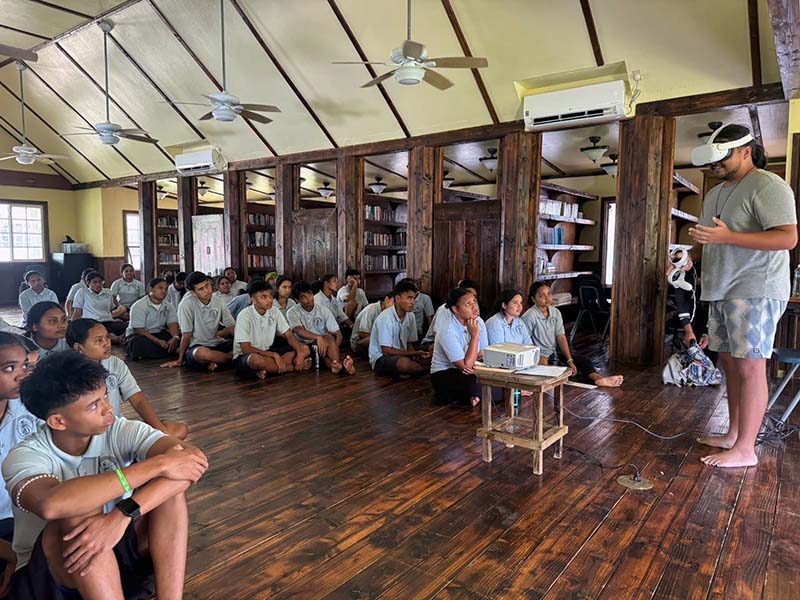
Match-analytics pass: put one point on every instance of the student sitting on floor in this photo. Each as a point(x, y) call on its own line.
point(74, 290)
point(271, 278)
point(423, 312)
point(264, 343)
point(283, 290)
point(153, 327)
point(546, 326)
point(16, 423)
point(36, 292)
point(90, 338)
point(47, 328)
point(242, 301)
point(351, 296)
point(505, 325)
point(326, 296)
point(223, 289)
point(391, 346)
point(460, 340)
point(204, 346)
point(168, 275)
point(127, 290)
point(82, 515)
point(96, 302)
point(237, 286)
point(9, 328)
point(177, 289)
point(313, 323)
point(362, 328)
point(430, 336)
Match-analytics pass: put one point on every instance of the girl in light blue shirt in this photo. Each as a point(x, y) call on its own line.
point(505, 324)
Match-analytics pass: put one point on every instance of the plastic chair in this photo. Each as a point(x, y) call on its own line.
point(591, 301)
point(791, 357)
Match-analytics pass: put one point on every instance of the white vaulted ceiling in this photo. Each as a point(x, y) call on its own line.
point(169, 50)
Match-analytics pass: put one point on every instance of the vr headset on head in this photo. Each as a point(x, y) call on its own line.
point(714, 152)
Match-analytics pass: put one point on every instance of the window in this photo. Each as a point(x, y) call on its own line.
point(133, 250)
point(608, 247)
point(21, 232)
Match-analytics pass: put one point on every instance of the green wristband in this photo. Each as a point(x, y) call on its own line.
point(121, 476)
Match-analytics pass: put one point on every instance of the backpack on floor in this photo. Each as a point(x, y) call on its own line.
point(691, 367)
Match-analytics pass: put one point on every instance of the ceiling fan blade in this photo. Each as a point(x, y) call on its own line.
point(92, 129)
point(436, 80)
point(47, 161)
point(9, 156)
point(261, 107)
point(255, 117)
point(133, 132)
point(355, 62)
point(136, 138)
point(413, 49)
point(459, 62)
point(379, 78)
point(79, 133)
point(184, 103)
point(18, 53)
point(54, 156)
point(207, 116)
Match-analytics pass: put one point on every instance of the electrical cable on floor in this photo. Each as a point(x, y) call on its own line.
point(593, 459)
point(775, 430)
point(629, 422)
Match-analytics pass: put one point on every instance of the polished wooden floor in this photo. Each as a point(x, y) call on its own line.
point(354, 488)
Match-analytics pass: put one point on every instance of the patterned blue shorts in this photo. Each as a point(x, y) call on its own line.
point(744, 327)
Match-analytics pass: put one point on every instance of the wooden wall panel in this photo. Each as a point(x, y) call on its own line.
point(287, 200)
point(424, 190)
point(235, 218)
point(350, 213)
point(187, 206)
point(147, 228)
point(643, 221)
point(314, 250)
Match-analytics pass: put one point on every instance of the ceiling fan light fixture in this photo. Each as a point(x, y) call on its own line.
point(325, 191)
point(202, 189)
point(409, 75)
point(447, 181)
point(611, 168)
point(377, 187)
point(224, 113)
point(490, 162)
point(594, 152)
point(26, 159)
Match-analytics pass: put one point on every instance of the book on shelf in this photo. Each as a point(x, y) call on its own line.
point(167, 239)
point(385, 239)
point(550, 235)
point(168, 258)
point(258, 261)
point(559, 208)
point(562, 299)
point(261, 219)
point(384, 262)
point(386, 213)
point(171, 222)
point(260, 238)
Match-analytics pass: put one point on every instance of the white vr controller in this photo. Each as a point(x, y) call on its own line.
point(677, 277)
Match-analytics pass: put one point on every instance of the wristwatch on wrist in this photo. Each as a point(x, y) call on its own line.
point(130, 508)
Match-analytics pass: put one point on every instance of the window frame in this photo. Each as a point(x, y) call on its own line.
point(45, 231)
point(127, 257)
point(607, 202)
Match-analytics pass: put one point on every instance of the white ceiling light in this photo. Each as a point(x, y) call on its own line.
point(490, 162)
point(594, 152)
point(377, 187)
point(202, 189)
point(161, 193)
point(325, 191)
point(610, 168)
point(447, 181)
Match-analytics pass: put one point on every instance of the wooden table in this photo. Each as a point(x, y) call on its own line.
point(516, 430)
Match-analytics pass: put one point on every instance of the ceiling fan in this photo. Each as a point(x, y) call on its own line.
point(110, 133)
point(18, 53)
point(226, 107)
point(25, 154)
point(412, 64)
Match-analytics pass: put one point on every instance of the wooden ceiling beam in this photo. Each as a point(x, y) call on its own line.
point(34, 180)
point(756, 123)
point(467, 170)
point(381, 88)
point(553, 166)
point(203, 68)
point(770, 93)
point(385, 169)
point(462, 40)
point(755, 41)
point(592, 30)
point(78, 113)
point(283, 72)
point(318, 171)
point(79, 27)
point(785, 15)
point(51, 128)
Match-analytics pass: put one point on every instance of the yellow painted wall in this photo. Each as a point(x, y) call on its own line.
point(61, 210)
point(114, 201)
point(794, 127)
point(89, 214)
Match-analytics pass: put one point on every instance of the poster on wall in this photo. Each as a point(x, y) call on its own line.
point(209, 244)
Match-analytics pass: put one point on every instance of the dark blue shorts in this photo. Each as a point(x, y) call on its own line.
point(191, 363)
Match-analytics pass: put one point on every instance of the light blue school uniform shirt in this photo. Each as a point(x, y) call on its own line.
point(499, 330)
point(319, 320)
point(153, 317)
point(120, 383)
point(452, 341)
point(438, 317)
point(127, 293)
point(361, 299)
point(17, 424)
point(544, 331)
point(95, 306)
point(390, 330)
point(60, 345)
point(423, 308)
point(29, 297)
point(239, 303)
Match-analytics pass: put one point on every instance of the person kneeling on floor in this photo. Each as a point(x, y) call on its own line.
point(91, 491)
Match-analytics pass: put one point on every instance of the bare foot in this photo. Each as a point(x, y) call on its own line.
point(212, 367)
point(610, 381)
point(349, 366)
point(475, 401)
point(306, 364)
point(731, 459)
point(262, 374)
point(336, 366)
point(725, 442)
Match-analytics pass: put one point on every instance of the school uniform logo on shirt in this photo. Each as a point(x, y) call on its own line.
point(111, 382)
point(318, 322)
point(25, 426)
point(107, 464)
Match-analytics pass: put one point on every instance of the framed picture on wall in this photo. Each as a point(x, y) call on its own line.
point(209, 243)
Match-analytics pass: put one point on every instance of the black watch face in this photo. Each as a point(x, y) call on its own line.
point(129, 507)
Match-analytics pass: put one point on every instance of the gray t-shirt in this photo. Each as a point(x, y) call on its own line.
point(152, 317)
point(203, 320)
point(760, 201)
point(423, 308)
point(127, 293)
point(544, 330)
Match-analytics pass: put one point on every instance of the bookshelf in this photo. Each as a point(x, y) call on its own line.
point(259, 254)
point(167, 249)
point(385, 242)
point(685, 207)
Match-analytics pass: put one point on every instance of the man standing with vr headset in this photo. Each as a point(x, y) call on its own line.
point(747, 228)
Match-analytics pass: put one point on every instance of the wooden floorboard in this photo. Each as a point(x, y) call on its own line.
point(362, 488)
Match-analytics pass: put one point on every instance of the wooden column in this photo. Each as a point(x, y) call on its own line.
point(350, 213)
point(424, 190)
point(287, 200)
point(235, 219)
point(187, 206)
point(639, 295)
point(518, 178)
point(147, 228)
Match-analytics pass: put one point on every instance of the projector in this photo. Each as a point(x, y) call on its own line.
point(510, 356)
